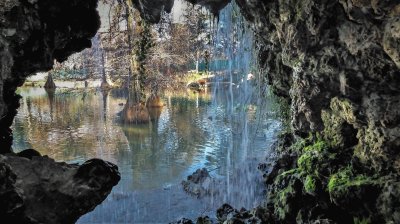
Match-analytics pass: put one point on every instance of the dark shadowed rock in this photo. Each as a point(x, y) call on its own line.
point(151, 10)
point(213, 5)
point(198, 183)
point(224, 212)
point(183, 221)
point(35, 189)
point(14, 208)
point(204, 220)
point(258, 215)
point(28, 153)
point(40, 190)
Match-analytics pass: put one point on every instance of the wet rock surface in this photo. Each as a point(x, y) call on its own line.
point(40, 190)
point(335, 63)
point(198, 183)
point(200, 220)
point(330, 60)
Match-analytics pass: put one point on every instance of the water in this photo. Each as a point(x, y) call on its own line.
point(233, 41)
point(193, 131)
point(228, 130)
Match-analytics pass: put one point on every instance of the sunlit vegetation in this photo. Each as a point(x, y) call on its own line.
point(134, 53)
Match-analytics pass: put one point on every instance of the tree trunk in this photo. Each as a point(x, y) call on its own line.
point(104, 83)
point(50, 83)
point(129, 31)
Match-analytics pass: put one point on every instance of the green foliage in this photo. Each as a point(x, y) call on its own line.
point(362, 220)
point(340, 182)
point(318, 146)
point(298, 145)
point(310, 184)
point(308, 162)
point(66, 74)
point(321, 169)
point(344, 108)
point(281, 106)
point(281, 202)
point(289, 172)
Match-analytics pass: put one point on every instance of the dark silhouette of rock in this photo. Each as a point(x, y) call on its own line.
point(40, 190)
point(198, 183)
point(29, 153)
point(151, 10)
point(36, 189)
point(183, 221)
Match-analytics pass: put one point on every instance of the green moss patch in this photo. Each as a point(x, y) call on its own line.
point(345, 181)
point(310, 184)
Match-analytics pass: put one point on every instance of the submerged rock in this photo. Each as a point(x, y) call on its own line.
point(258, 215)
point(198, 184)
point(29, 153)
point(204, 220)
point(40, 190)
point(183, 221)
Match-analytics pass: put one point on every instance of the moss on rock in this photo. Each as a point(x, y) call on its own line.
point(310, 184)
point(326, 183)
point(341, 182)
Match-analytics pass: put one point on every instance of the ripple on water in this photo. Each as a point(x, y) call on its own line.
point(153, 159)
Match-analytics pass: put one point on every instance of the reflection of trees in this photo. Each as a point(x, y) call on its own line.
point(83, 127)
point(167, 146)
point(68, 125)
point(50, 95)
point(104, 93)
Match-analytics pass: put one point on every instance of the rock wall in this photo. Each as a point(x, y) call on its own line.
point(151, 10)
point(336, 64)
point(32, 34)
point(36, 189)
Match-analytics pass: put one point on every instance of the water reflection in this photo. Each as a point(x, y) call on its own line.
point(191, 131)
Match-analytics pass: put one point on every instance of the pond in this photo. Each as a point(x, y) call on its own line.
point(227, 134)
